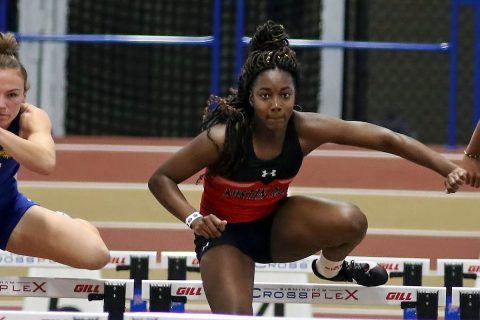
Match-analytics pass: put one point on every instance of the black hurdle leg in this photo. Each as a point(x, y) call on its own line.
point(160, 298)
point(469, 306)
point(412, 274)
point(138, 272)
point(427, 305)
point(453, 277)
point(177, 270)
point(114, 300)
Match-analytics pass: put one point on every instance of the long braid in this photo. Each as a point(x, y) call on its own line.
point(268, 50)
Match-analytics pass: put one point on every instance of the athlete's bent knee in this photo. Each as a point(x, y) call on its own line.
point(353, 220)
point(98, 258)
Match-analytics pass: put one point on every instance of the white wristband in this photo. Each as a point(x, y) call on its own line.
point(194, 216)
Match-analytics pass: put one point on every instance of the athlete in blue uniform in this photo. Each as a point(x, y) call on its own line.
point(25, 139)
point(252, 146)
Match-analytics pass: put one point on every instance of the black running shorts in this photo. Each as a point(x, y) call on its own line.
point(252, 238)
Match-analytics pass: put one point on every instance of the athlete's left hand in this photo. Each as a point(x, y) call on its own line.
point(209, 226)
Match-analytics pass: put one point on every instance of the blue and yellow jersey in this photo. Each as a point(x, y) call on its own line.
point(8, 169)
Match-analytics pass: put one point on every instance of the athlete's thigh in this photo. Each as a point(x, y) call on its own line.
point(228, 276)
point(36, 230)
point(48, 234)
point(304, 225)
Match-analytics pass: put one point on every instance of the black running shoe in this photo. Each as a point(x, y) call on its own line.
point(361, 273)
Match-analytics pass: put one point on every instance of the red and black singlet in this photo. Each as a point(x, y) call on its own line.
point(253, 190)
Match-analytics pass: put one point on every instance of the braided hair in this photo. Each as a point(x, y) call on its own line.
point(269, 49)
point(9, 55)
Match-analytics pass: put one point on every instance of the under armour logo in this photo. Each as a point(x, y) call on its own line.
point(205, 246)
point(272, 173)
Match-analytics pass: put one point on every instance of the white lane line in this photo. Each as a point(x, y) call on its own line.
point(372, 231)
point(172, 149)
point(83, 185)
point(116, 148)
point(293, 190)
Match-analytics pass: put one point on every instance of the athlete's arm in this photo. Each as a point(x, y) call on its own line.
point(34, 147)
point(195, 156)
point(315, 130)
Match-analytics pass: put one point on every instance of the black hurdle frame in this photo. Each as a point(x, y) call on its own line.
point(469, 306)
point(412, 274)
point(469, 303)
point(425, 308)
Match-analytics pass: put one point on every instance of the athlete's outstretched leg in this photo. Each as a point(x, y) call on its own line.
point(228, 276)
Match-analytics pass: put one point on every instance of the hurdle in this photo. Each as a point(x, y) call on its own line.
point(113, 292)
point(178, 263)
point(454, 271)
point(137, 262)
point(22, 315)
point(32, 315)
point(175, 316)
point(410, 269)
point(117, 258)
point(424, 300)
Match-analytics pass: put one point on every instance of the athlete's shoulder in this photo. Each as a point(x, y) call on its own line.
point(315, 129)
point(217, 134)
point(310, 118)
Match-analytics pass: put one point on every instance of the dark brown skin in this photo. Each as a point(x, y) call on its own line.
point(302, 225)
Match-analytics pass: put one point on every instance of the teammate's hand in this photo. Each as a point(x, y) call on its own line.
point(455, 179)
point(209, 226)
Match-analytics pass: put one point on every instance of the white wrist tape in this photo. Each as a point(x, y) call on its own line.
point(194, 216)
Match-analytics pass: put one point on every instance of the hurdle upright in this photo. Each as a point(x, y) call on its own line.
point(467, 300)
point(454, 271)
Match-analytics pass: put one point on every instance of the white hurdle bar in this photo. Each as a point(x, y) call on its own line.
point(137, 262)
point(199, 316)
point(454, 271)
point(389, 263)
point(193, 290)
point(59, 287)
point(468, 265)
point(32, 315)
point(305, 293)
point(57, 315)
point(190, 316)
point(117, 258)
